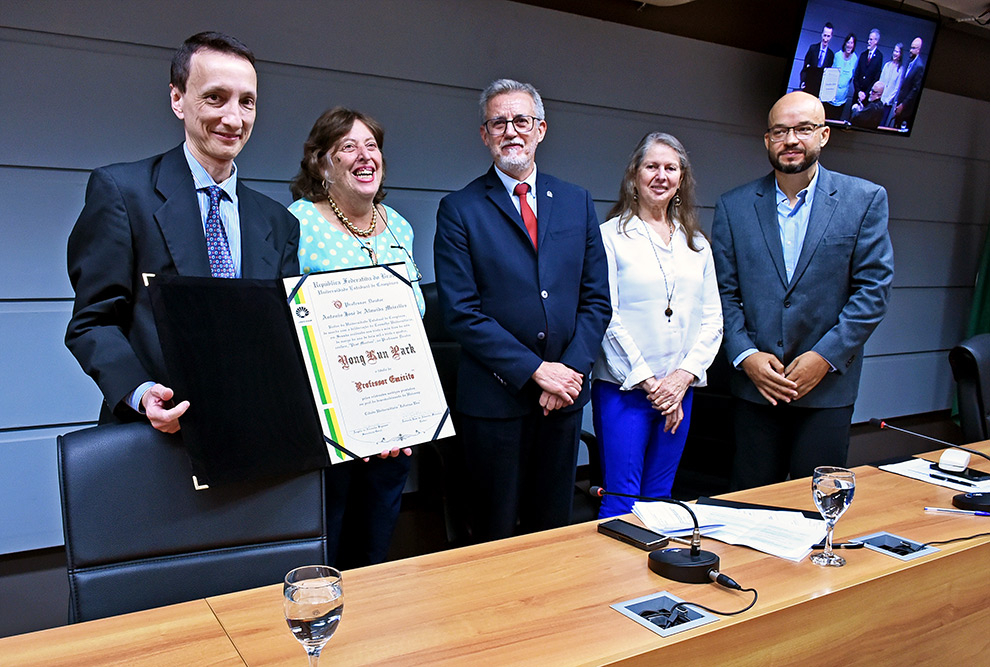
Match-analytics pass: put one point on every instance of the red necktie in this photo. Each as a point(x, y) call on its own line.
point(527, 213)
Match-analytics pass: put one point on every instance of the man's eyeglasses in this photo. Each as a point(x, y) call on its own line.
point(523, 124)
point(802, 131)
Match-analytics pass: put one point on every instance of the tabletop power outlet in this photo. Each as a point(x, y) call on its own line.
point(659, 612)
point(896, 546)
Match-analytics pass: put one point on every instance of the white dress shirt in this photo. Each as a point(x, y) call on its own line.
point(640, 342)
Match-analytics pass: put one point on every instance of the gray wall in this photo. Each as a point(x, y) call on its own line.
point(84, 83)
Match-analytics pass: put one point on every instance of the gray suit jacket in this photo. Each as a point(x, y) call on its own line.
point(836, 297)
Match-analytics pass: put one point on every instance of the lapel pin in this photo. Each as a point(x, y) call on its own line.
point(549, 194)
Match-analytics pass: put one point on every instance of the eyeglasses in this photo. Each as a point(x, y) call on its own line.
point(802, 131)
point(523, 125)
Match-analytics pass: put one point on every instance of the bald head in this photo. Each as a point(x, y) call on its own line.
point(876, 91)
point(797, 104)
point(796, 133)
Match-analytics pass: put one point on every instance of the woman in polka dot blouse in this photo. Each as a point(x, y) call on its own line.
point(343, 224)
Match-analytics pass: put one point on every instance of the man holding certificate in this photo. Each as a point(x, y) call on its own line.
point(180, 213)
point(522, 280)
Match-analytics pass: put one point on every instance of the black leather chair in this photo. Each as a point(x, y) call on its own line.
point(970, 361)
point(442, 462)
point(138, 535)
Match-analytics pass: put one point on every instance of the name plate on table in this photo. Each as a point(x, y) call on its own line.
point(371, 372)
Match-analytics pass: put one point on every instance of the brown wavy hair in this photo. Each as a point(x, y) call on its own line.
point(332, 126)
point(685, 213)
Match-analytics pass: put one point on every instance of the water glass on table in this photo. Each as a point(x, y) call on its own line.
point(833, 490)
point(313, 600)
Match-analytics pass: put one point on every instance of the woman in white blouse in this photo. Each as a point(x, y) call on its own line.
point(666, 323)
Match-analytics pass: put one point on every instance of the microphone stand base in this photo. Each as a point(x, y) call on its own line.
point(680, 565)
point(975, 502)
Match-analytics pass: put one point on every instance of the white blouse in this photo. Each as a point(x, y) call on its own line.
point(640, 342)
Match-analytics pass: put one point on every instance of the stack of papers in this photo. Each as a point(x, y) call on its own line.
point(921, 469)
point(781, 533)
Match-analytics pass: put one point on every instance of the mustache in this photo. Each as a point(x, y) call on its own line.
point(512, 142)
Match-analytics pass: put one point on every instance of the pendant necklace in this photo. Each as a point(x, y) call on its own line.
point(668, 291)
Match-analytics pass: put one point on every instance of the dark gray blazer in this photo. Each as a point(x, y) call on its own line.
point(144, 218)
point(836, 297)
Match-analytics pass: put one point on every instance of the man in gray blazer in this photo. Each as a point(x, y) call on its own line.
point(804, 266)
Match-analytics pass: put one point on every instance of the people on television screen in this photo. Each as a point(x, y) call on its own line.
point(868, 68)
point(890, 77)
point(818, 57)
point(907, 97)
point(869, 114)
point(845, 61)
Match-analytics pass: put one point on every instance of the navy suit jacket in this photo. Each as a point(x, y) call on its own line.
point(512, 307)
point(836, 297)
point(811, 73)
point(144, 218)
point(867, 73)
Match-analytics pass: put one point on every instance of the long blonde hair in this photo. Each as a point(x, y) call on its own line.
point(685, 212)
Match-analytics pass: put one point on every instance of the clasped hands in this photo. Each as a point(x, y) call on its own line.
point(560, 385)
point(666, 395)
point(779, 383)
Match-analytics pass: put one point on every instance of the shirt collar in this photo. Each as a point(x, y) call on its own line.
point(510, 183)
point(202, 178)
point(809, 192)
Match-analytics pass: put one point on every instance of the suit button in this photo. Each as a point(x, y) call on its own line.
point(780, 343)
point(787, 304)
point(544, 294)
point(541, 335)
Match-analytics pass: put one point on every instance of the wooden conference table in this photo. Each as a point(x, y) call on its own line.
point(544, 599)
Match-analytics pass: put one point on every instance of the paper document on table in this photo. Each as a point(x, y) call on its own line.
point(921, 470)
point(784, 534)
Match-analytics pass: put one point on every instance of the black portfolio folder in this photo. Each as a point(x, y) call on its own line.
point(230, 350)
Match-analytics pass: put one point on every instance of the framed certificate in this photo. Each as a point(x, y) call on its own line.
point(371, 372)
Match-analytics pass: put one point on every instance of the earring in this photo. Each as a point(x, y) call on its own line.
point(635, 195)
point(326, 188)
point(677, 199)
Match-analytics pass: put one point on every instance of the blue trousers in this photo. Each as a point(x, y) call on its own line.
point(637, 456)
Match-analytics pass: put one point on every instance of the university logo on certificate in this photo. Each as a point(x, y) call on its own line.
point(371, 371)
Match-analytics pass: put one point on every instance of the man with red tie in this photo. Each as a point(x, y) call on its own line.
point(522, 280)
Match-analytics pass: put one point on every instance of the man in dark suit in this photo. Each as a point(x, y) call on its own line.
point(184, 212)
point(804, 265)
point(869, 114)
point(868, 67)
point(522, 281)
point(907, 96)
point(816, 60)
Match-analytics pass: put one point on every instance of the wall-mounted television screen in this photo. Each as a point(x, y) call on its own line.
point(867, 64)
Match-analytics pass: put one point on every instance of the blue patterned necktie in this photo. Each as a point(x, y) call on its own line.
point(221, 264)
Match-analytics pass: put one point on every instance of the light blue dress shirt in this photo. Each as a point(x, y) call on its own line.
point(231, 220)
point(792, 222)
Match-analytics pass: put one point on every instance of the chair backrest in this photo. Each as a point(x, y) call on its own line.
point(970, 361)
point(138, 535)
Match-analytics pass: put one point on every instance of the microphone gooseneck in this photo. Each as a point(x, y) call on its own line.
point(975, 501)
point(687, 566)
point(881, 424)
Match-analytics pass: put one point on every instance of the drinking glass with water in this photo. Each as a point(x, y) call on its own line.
point(833, 490)
point(313, 600)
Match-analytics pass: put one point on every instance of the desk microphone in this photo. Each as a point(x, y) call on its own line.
point(979, 502)
point(689, 566)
